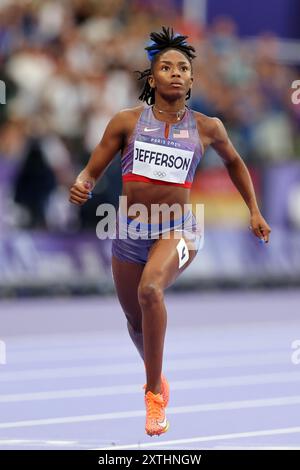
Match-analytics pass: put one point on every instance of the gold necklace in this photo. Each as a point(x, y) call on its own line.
point(179, 113)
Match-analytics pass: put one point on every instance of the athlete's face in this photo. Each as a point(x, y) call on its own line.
point(171, 75)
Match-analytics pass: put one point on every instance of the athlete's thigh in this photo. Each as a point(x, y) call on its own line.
point(127, 277)
point(168, 257)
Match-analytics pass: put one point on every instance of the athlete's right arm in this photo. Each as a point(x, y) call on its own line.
point(100, 159)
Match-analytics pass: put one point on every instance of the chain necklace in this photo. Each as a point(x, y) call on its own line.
point(178, 114)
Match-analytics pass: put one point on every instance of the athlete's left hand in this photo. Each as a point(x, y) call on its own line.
point(259, 227)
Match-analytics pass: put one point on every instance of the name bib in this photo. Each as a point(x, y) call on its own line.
point(161, 162)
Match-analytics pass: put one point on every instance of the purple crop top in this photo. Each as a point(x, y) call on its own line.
point(162, 153)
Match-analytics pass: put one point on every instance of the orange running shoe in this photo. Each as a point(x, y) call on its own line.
point(165, 390)
point(156, 421)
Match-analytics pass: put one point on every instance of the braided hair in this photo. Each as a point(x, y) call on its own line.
point(160, 42)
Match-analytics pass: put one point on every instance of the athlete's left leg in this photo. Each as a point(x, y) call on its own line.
point(167, 259)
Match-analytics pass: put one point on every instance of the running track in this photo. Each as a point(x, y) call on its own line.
point(73, 379)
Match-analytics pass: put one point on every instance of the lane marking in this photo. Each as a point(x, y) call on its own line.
point(217, 437)
point(231, 405)
point(256, 448)
point(35, 441)
point(136, 367)
point(111, 345)
point(215, 382)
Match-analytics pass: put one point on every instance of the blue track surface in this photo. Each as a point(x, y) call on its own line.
point(73, 379)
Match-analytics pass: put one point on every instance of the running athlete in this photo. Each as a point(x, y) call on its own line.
point(161, 145)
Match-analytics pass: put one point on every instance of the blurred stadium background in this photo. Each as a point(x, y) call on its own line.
point(69, 374)
point(69, 65)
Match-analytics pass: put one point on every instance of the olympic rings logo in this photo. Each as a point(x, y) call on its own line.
point(160, 174)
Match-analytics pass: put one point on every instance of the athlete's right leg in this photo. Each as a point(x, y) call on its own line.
point(126, 277)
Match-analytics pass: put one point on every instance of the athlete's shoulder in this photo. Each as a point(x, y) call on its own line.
point(211, 123)
point(124, 119)
point(128, 116)
point(130, 112)
point(212, 127)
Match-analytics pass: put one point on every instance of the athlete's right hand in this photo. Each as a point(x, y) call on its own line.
point(80, 192)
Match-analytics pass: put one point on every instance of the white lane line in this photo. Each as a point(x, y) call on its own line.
point(217, 437)
point(233, 405)
point(215, 382)
point(189, 344)
point(256, 448)
point(82, 338)
point(36, 442)
point(136, 367)
point(44, 442)
point(199, 340)
point(71, 354)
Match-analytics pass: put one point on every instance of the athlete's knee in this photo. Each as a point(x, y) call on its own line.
point(149, 293)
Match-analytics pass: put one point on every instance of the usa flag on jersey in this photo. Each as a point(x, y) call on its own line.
point(180, 134)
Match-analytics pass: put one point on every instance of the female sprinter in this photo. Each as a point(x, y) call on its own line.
point(161, 145)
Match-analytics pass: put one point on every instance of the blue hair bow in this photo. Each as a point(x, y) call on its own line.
point(153, 52)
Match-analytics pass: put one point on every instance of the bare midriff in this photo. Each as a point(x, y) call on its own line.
point(152, 196)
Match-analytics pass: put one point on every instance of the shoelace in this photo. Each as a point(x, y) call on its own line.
point(154, 410)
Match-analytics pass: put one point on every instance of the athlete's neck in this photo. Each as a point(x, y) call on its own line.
point(167, 111)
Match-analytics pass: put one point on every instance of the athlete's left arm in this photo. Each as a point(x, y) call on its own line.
point(240, 176)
